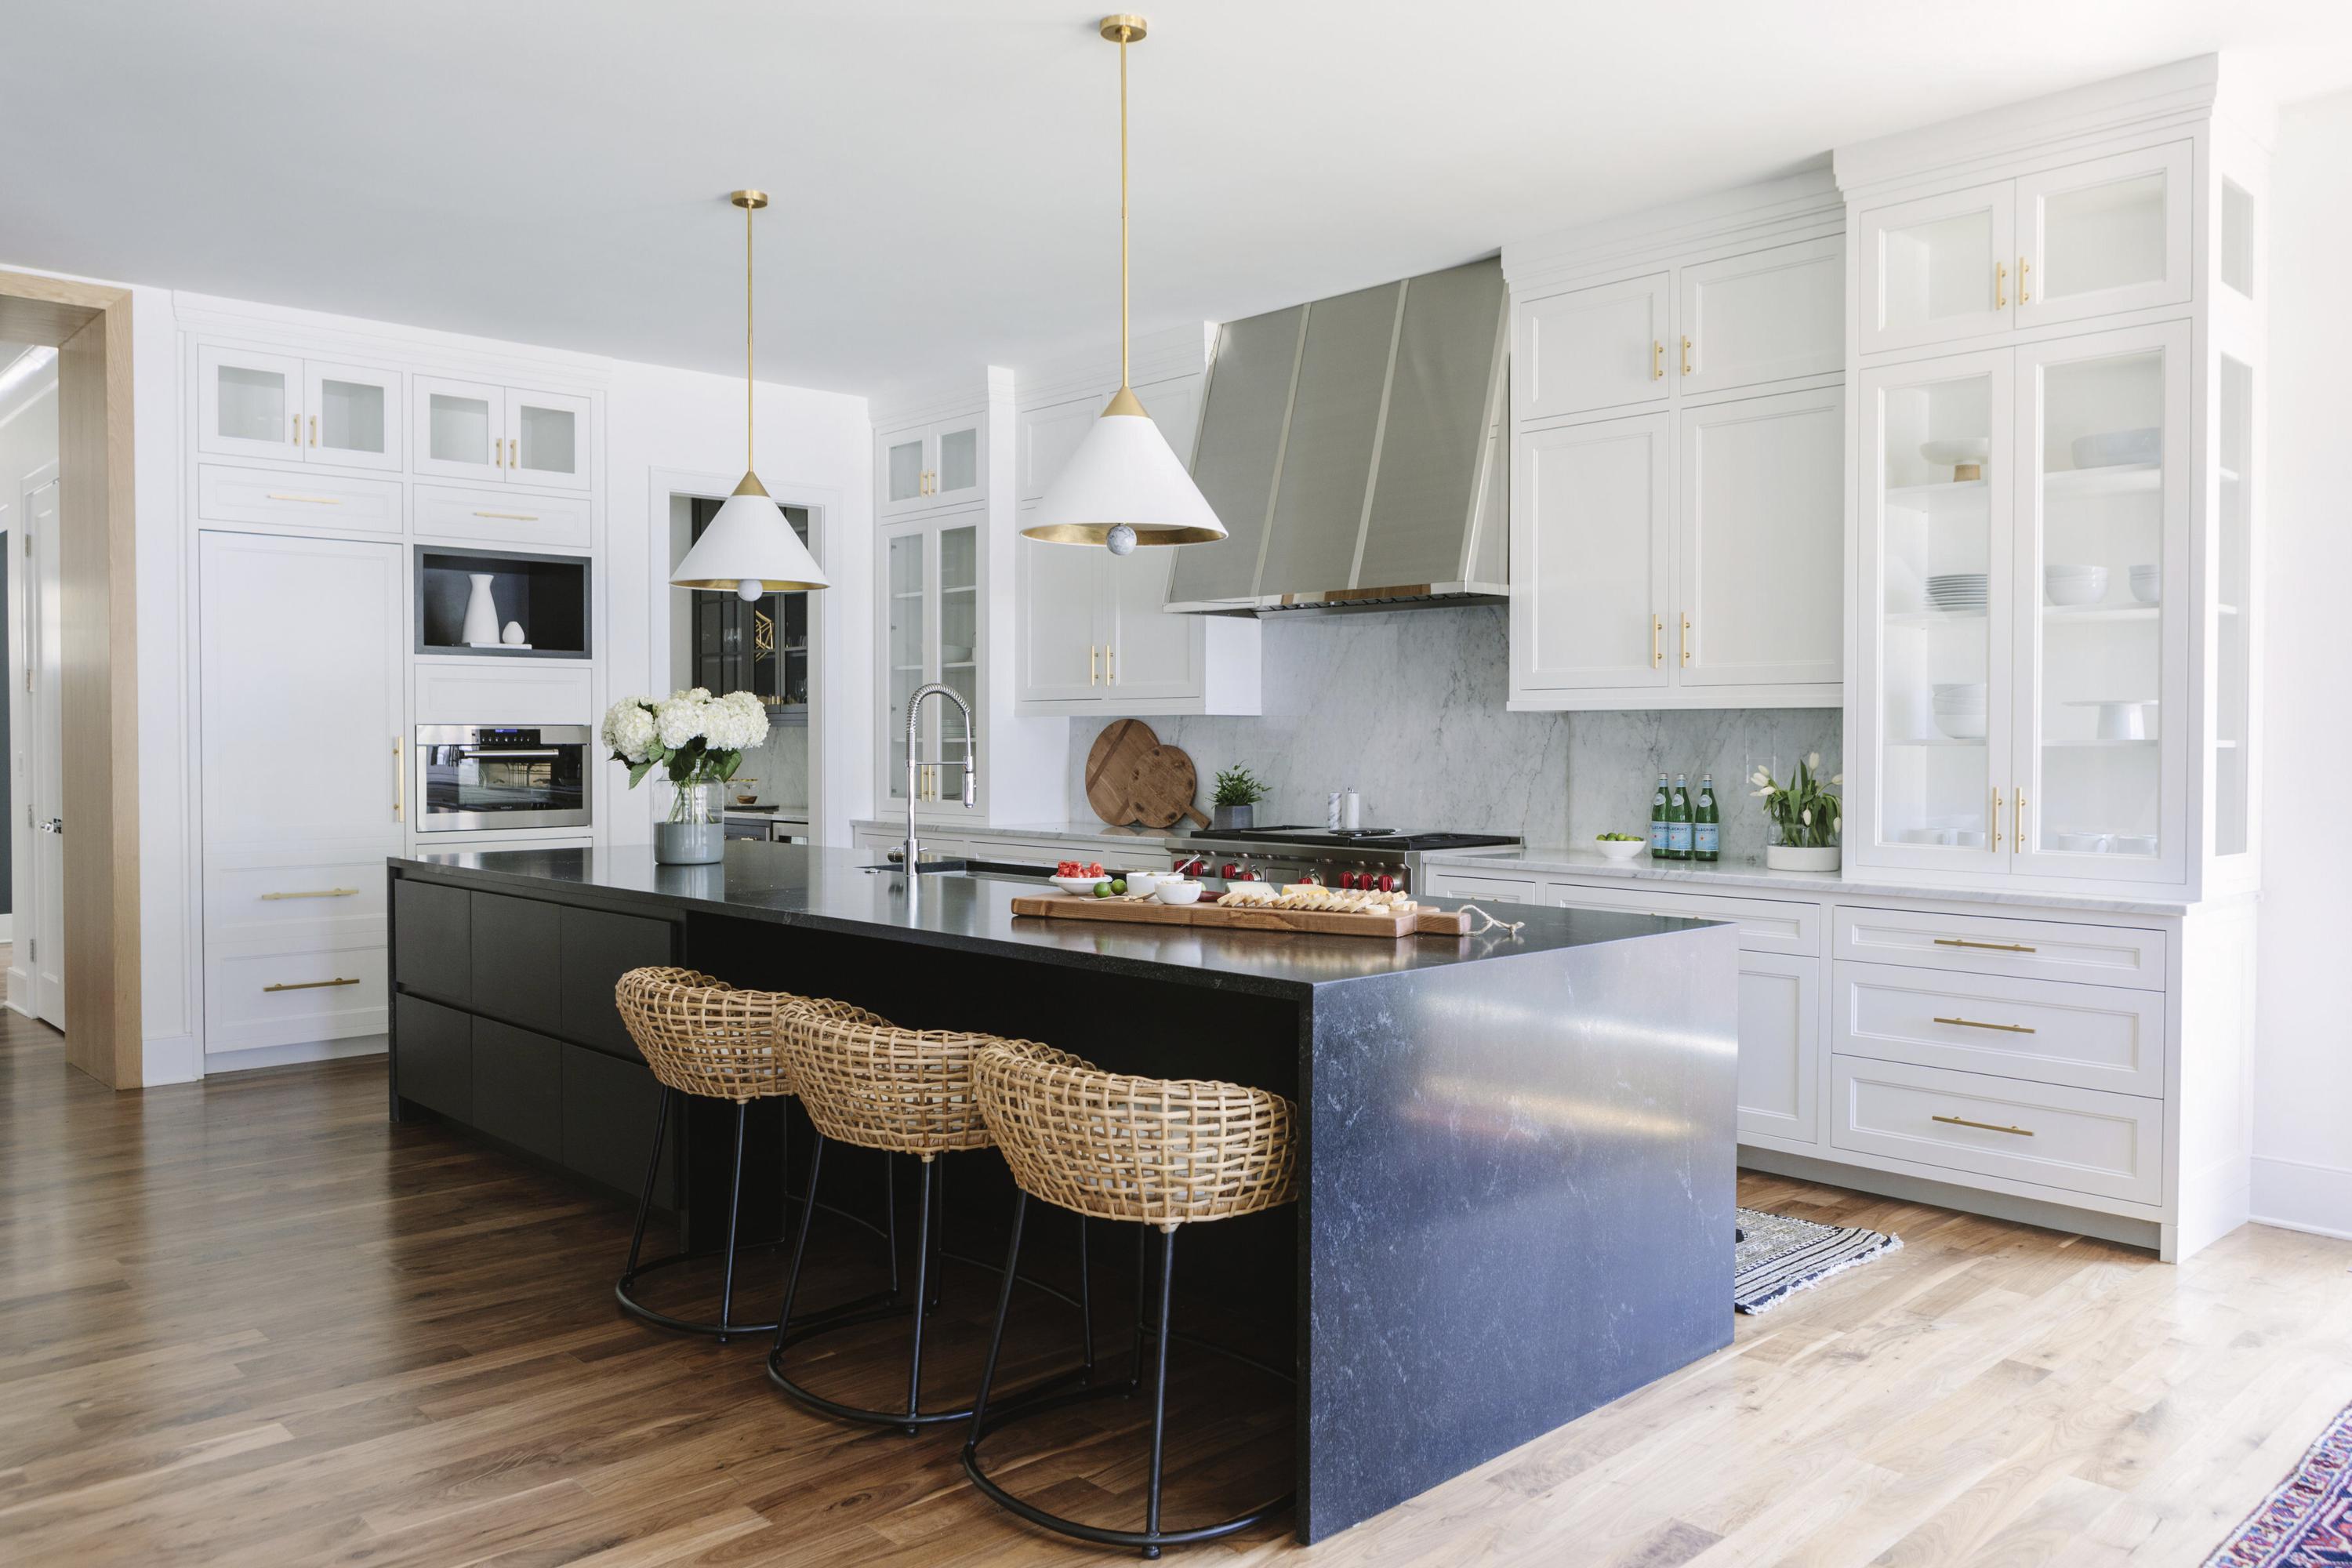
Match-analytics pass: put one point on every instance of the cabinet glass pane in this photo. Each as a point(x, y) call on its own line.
point(460, 429)
point(2099, 564)
point(253, 404)
point(959, 460)
point(2097, 238)
point(550, 441)
point(2235, 697)
point(906, 469)
point(958, 603)
point(350, 416)
point(1937, 271)
point(905, 634)
point(1934, 596)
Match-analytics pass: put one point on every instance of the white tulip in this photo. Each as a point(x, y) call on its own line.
point(1759, 793)
point(1837, 778)
point(1806, 817)
point(1814, 762)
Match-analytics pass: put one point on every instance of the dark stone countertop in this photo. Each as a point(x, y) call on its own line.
point(828, 889)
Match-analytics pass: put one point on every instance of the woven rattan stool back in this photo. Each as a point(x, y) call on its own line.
point(701, 1035)
point(866, 1082)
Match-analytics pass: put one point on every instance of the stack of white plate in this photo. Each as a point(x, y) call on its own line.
point(2074, 584)
point(1955, 591)
point(1961, 711)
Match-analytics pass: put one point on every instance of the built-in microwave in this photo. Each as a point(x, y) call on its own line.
point(471, 776)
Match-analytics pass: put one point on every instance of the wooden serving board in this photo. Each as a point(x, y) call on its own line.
point(1221, 917)
point(1111, 762)
point(1165, 782)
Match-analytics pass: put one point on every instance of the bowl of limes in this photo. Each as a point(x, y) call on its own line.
point(1619, 845)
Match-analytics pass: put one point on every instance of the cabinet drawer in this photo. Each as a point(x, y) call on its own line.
point(298, 499)
point(2029, 949)
point(518, 1088)
point(1449, 884)
point(296, 899)
point(460, 692)
point(608, 1124)
point(433, 1056)
point(291, 998)
point(2079, 1140)
point(2093, 1036)
point(1765, 925)
point(516, 954)
point(430, 928)
point(448, 511)
point(598, 948)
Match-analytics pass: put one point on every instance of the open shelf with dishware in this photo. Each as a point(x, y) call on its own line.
point(501, 603)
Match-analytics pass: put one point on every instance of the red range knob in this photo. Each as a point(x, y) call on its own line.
point(1350, 879)
point(1388, 883)
point(1230, 871)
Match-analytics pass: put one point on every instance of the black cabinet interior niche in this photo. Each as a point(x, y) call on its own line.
point(547, 594)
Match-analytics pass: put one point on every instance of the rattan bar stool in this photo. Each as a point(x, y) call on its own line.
point(1150, 1152)
point(901, 1092)
point(703, 1036)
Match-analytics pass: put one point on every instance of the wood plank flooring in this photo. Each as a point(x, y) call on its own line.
point(250, 1322)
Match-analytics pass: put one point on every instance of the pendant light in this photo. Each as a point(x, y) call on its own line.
point(1124, 487)
point(750, 548)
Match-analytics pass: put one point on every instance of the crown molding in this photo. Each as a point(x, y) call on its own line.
point(316, 332)
point(1803, 206)
point(1164, 355)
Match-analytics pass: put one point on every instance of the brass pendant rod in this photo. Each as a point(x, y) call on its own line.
point(748, 464)
point(1122, 209)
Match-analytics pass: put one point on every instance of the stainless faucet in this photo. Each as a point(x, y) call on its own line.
point(970, 775)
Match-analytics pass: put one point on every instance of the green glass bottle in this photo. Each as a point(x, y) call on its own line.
point(1707, 823)
point(1658, 820)
point(1678, 821)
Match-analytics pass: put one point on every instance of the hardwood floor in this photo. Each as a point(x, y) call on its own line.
point(251, 1323)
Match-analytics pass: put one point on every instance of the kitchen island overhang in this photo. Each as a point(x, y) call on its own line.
point(1518, 1162)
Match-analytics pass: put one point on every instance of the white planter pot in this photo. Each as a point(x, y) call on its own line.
point(1788, 858)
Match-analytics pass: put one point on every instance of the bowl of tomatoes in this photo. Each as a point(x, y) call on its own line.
point(1084, 878)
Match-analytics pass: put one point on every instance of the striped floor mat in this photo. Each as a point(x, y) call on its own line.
point(1778, 1254)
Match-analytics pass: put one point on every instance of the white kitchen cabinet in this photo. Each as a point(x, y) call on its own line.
point(1589, 556)
point(352, 414)
point(253, 404)
point(502, 435)
point(1936, 268)
point(1775, 314)
point(500, 516)
point(933, 622)
point(938, 463)
point(1779, 1047)
point(547, 439)
point(1603, 347)
point(280, 498)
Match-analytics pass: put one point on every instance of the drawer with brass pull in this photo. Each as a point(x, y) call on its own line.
point(2053, 1135)
point(258, 998)
point(1991, 944)
point(504, 515)
point(297, 497)
point(2047, 1031)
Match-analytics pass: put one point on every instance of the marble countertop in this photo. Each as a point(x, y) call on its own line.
point(1041, 832)
point(1753, 875)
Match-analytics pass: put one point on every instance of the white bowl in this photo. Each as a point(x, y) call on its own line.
point(1178, 892)
point(2145, 445)
point(2147, 584)
point(1084, 885)
point(2079, 843)
point(1143, 881)
point(1962, 726)
point(1956, 450)
point(1960, 694)
point(1620, 848)
point(2132, 844)
point(2074, 584)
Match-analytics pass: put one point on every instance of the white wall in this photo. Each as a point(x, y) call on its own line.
point(2303, 1071)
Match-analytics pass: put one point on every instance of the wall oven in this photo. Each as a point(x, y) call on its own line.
point(471, 776)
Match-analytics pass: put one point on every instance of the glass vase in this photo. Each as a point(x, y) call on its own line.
point(696, 833)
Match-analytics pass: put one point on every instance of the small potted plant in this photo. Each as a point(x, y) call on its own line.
point(698, 740)
point(1806, 817)
point(1238, 792)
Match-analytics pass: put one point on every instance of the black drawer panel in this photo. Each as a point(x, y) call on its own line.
point(519, 1086)
point(598, 949)
point(608, 1123)
point(435, 1056)
point(429, 931)
point(518, 966)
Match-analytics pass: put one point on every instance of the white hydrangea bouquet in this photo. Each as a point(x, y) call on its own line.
point(697, 739)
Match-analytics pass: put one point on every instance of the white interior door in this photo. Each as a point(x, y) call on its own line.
point(45, 959)
point(547, 439)
point(1760, 552)
point(1589, 583)
point(353, 415)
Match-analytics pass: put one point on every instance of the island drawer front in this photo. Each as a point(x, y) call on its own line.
point(2048, 1031)
point(608, 1123)
point(431, 937)
point(518, 1088)
point(1766, 925)
point(598, 948)
point(1446, 883)
point(517, 952)
point(1982, 944)
point(306, 500)
point(448, 512)
point(433, 1056)
point(2077, 1140)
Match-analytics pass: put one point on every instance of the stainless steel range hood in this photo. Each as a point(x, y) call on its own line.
point(1353, 448)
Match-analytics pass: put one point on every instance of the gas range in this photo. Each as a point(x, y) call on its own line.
point(1337, 857)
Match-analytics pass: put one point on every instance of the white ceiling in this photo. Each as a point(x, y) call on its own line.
point(555, 171)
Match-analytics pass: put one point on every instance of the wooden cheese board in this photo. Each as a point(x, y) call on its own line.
point(1420, 922)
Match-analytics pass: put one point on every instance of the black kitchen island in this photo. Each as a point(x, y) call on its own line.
point(1516, 1191)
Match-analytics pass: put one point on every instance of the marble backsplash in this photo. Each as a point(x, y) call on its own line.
point(780, 768)
point(1407, 707)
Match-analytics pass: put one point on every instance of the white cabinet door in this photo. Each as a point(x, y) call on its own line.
point(1065, 623)
point(1760, 551)
point(547, 440)
point(248, 405)
point(903, 461)
point(1047, 438)
point(1589, 555)
point(1592, 348)
point(354, 414)
point(1780, 1045)
point(2108, 235)
point(461, 428)
point(959, 452)
point(1939, 269)
point(1770, 315)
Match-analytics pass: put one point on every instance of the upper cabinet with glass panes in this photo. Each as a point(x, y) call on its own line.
point(475, 430)
point(257, 405)
point(941, 463)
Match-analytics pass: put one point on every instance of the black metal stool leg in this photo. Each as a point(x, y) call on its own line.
point(734, 1213)
point(1160, 1386)
point(891, 1215)
point(653, 1169)
point(1086, 1299)
point(996, 1335)
point(937, 1172)
point(800, 1244)
point(922, 1296)
point(1142, 1280)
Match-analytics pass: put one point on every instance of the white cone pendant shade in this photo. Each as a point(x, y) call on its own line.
point(749, 548)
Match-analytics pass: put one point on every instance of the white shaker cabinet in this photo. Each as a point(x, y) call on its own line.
point(253, 404)
point(1766, 315)
point(1589, 543)
point(1603, 347)
point(501, 435)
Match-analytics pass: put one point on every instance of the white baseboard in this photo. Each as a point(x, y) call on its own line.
point(292, 1056)
point(170, 1059)
point(2295, 1196)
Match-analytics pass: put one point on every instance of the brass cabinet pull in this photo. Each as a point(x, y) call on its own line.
point(1996, 816)
point(2025, 295)
point(1988, 1126)
point(315, 893)
point(1687, 347)
point(1110, 665)
point(511, 516)
point(2017, 825)
point(514, 453)
point(1686, 631)
point(2004, 1028)
point(1658, 359)
point(499, 451)
point(298, 429)
point(308, 985)
point(2001, 285)
point(310, 501)
point(399, 782)
point(314, 430)
point(1658, 641)
point(1989, 946)
point(1093, 653)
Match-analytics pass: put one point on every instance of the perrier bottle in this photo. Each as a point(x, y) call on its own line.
point(1706, 824)
point(1658, 820)
point(1678, 821)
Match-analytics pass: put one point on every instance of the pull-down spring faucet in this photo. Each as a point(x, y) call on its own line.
point(970, 774)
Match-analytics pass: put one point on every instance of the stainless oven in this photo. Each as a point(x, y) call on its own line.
point(502, 775)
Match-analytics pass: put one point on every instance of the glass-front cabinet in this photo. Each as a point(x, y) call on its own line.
point(927, 467)
point(933, 617)
point(473, 430)
point(253, 405)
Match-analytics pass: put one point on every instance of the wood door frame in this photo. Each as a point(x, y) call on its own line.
point(89, 326)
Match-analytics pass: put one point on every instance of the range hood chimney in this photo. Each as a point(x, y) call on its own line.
point(1353, 448)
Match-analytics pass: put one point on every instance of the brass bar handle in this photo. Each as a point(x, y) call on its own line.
point(1996, 816)
point(2004, 1028)
point(1657, 359)
point(1988, 1126)
point(1686, 349)
point(511, 516)
point(1093, 653)
point(1686, 632)
point(514, 453)
point(314, 893)
point(2025, 295)
point(2017, 825)
point(399, 782)
point(308, 985)
point(499, 451)
point(314, 430)
point(298, 429)
point(2001, 285)
point(1658, 641)
point(1110, 665)
point(308, 500)
point(1987, 946)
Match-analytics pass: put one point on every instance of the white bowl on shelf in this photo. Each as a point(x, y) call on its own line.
point(2110, 447)
point(1962, 726)
point(2120, 719)
point(2074, 584)
point(2132, 844)
point(2147, 584)
point(1620, 848)
point(1954, 452)
point(2079, 843)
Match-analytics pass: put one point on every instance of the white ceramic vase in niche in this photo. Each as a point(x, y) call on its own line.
point(481, 612)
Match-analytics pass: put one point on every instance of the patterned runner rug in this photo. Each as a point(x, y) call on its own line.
point(1779, 1254)
point(2307, 1522)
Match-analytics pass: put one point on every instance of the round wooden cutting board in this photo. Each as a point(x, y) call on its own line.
point(1110, 770)
point(1164, 783)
